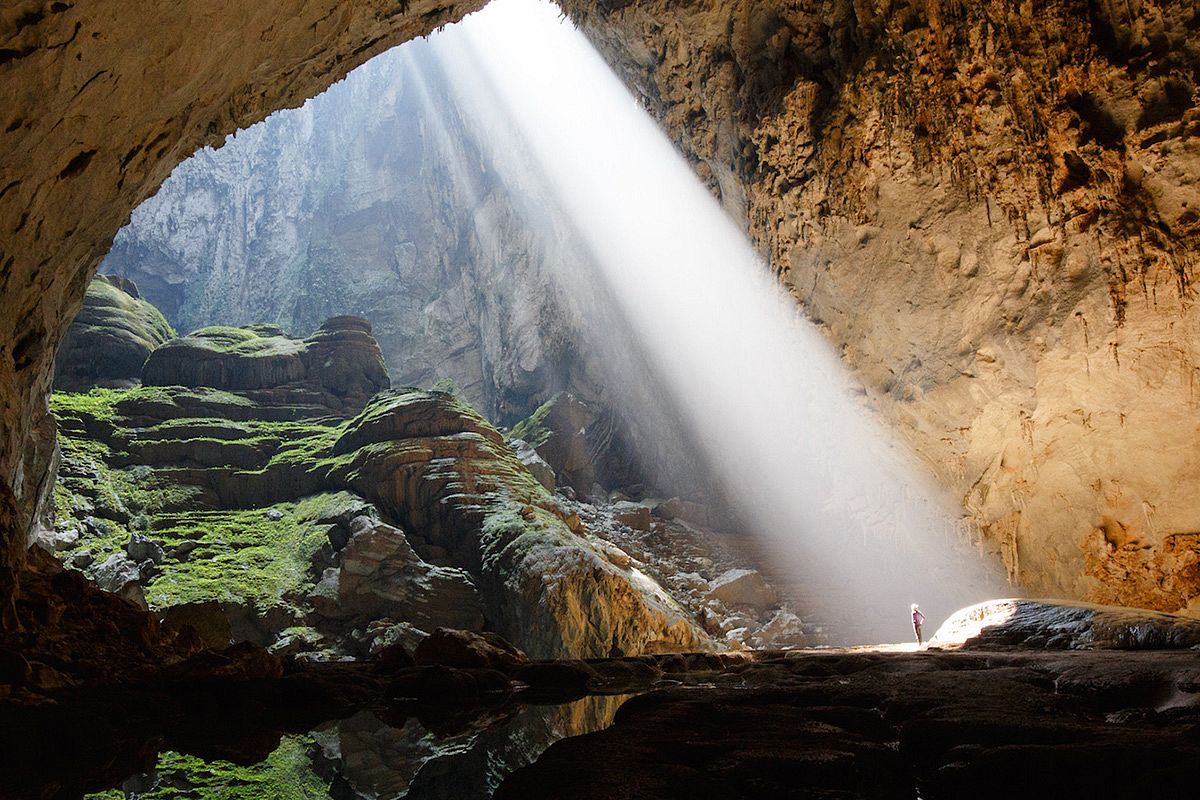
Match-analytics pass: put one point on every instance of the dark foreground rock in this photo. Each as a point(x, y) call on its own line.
point(803, 724)
point(891, 725)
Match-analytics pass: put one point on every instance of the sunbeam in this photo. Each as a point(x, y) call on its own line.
point(847, 513)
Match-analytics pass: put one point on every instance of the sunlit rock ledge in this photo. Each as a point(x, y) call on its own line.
point(1064, 625)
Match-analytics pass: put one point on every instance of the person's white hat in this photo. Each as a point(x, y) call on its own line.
point(914, 606)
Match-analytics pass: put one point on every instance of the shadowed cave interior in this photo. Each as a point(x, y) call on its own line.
point(569, 400)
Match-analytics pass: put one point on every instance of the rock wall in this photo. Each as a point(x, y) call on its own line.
point(100, 102)
point(388, 197)
point(989, 209)
point(375, 199)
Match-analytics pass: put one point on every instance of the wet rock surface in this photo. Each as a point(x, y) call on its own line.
point(874, 725)
point(838, 723)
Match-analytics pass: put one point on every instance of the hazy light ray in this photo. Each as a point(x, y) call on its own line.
point(762, 390)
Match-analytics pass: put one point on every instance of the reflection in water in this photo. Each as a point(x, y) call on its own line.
point(376, 758)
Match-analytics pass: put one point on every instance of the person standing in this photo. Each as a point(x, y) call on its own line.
point(918, 620)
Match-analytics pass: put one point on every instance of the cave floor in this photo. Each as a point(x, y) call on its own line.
point(854, 723)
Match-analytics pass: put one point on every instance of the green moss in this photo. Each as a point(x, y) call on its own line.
point(533, 429)
point(118, 309)
point(253, 341)
point(304, 444)
point(286, 774)
point(146, 491)
point(447, 386)
point(97, 404)
point(240, 556)
point(190, 400)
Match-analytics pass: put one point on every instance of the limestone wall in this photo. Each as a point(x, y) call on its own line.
point(989, 208)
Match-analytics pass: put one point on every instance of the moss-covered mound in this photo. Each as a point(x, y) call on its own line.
point(110, 339)
point(227, 510)
point(339, 365)
point(322, 534)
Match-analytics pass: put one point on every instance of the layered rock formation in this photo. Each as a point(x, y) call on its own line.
point(448, 476)
point(231, 492)
point(989, 212)
point(100, 105)
point(340, 366)
point(110, 339)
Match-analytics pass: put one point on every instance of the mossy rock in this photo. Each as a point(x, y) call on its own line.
point(226, 358)
point(340, 360)
point(110, 339)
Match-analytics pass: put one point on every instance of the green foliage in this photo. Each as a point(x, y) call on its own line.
point(254, 341)
point(533, 429)
point(286, 774)
point(238, 556)
point(97, 404)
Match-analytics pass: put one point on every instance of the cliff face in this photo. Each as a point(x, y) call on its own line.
point(372, 199)
point(384, 197)
point(988, 209)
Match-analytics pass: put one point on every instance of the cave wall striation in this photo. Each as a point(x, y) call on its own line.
point(989, 209)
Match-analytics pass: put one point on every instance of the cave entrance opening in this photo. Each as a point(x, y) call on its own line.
point(560, 251)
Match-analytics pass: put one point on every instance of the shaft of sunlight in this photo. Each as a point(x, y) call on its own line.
point(841, 504)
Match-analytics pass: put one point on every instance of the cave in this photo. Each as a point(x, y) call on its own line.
point(370, 431)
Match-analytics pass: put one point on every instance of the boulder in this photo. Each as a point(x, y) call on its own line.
point(380, 575)
point(633, 515)
point(110, 339)
point(742, 587)
point(533, 462)
point(119, 575)
point(1064, 625)
point(143, 548)
point(467, 650)
point(679, 509)
point(392, 657)
point(55, 539)
point(206, 618)
point(384, 633)
point(784, 629)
